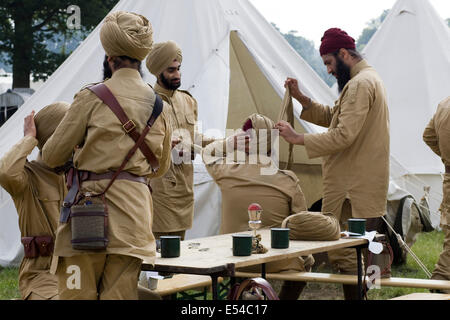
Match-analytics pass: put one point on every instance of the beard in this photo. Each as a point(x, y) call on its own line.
point(169, 84)
point(342, 73)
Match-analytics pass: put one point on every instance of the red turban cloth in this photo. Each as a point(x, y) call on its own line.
point(334, 39)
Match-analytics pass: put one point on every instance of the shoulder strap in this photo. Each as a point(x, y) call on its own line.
point(102, 91)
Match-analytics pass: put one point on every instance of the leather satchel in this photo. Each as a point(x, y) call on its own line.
point(253, 289)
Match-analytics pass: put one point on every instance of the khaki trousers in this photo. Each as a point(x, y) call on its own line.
point(344, 260)
point(37, 296)
point(98, 276)
point(442, 268)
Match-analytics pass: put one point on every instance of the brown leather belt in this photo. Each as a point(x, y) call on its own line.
point(91, 176)
point(447, 169)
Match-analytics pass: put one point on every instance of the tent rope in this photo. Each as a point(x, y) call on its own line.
point(287, 109)
point(404, 245)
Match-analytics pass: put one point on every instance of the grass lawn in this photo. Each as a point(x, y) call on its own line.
point(427, 247)
point(9, 284)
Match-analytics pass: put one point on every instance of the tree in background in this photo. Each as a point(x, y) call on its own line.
point(305, 48)
point(34, 35)
point(367, 33)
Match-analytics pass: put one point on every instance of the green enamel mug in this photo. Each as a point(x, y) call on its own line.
point(242, 244)
point(170, 246)
point(279, 238)
point(357, 226)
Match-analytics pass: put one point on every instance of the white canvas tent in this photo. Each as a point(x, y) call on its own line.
point(411, 52)
point(234, 64)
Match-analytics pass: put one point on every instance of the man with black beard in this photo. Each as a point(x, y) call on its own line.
point(355, 149)
point(173, 194)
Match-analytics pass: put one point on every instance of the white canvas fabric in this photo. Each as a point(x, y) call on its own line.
point(411, 52)
point(202, 30)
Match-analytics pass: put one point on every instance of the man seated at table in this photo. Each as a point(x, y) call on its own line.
point(246, 177)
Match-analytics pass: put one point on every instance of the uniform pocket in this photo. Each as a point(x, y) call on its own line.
point(29, 247)
point(190, 118)
point(170, 181)
point(44, 245)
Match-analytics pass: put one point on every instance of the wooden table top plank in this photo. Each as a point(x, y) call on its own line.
point(213, 254)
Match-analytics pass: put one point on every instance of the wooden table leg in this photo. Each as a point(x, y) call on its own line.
point(360, 272)
point(214, 287)
point(263, 270)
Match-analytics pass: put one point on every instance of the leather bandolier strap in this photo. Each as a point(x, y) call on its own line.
point(75, 177)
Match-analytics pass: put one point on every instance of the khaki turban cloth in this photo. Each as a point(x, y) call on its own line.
point(126, 34)
point(315, 226)
point(258, 122)
point(162, 55)
point(47, 119)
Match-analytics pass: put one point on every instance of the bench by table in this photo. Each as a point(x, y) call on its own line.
point(352, 279)
point(179, 283)
point(424, 296)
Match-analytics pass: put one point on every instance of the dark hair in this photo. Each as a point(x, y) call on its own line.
point(118, 63)
point(354, 53)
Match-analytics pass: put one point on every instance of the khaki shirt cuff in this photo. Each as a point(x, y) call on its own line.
point(310, 140)
point(308, 114)
point(29, 141)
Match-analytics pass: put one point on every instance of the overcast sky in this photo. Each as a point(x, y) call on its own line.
point(312, 17)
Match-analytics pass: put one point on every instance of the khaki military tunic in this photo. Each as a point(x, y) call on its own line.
point(355, 149)
point(173, 194)
point(437, 137)
point(241, 183)
point(279, 194)
point(37, 192)
point(102, 146)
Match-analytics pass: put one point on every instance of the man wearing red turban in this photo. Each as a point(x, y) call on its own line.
point(355, 149)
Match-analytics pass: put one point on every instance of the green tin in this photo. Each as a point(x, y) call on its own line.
point(357, 226)
point(279, 238)
point(242, 244)
point(170, 246)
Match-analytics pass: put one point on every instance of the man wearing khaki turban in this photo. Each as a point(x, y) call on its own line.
point(437, 137)
point(101, 144)
point(38, 192)
point(173, 194)
point(245, 173)
point(355, 149)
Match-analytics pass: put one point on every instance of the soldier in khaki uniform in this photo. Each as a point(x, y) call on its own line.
point(38, 192)
point(243, 181)
point(437, 137)
point(173, 194)
point(355, 150)
point(101, 146)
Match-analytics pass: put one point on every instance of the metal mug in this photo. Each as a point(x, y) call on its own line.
point(357, 226)
point(279, 238)
point(242, 244)
point(170, 246)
